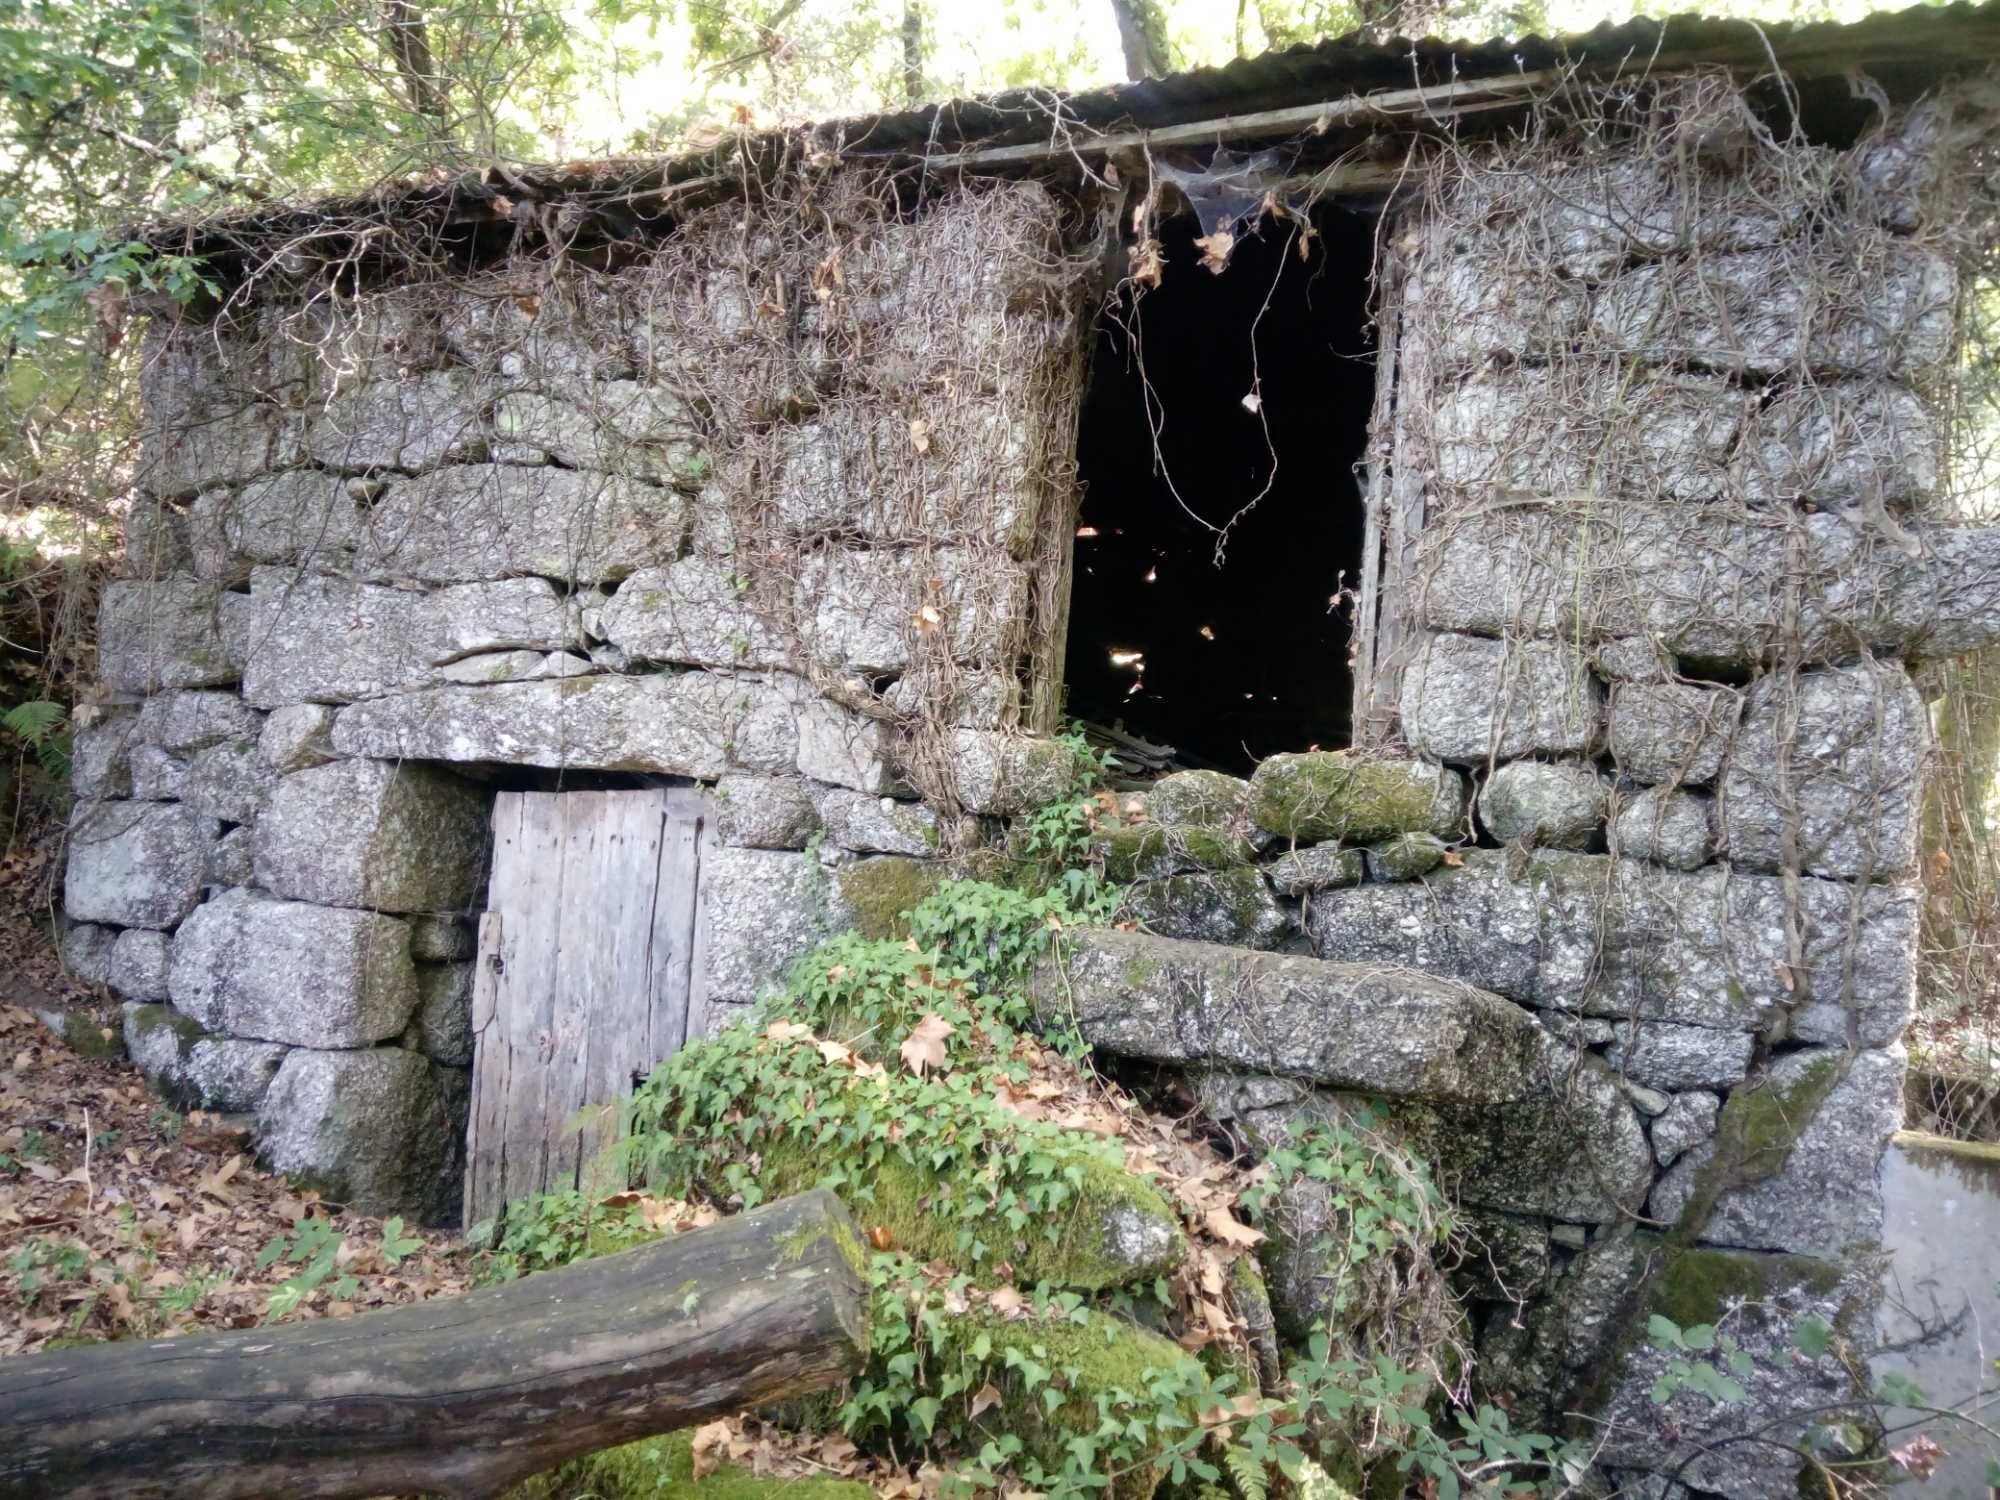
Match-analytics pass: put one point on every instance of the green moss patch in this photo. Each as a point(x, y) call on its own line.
point(879, 893)
point(1149, 850)
point(1755, 1135)
point(1698, 1285)
point(1117, 1229)
point(1339, 795)
point(662, 1468)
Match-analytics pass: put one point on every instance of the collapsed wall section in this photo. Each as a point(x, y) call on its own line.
point(777, 506)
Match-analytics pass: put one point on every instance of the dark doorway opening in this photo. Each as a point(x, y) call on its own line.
point(1233, 661)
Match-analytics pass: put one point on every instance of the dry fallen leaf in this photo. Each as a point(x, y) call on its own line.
point(711, 1443)
point(984, 1399)
point(882, 1238)
point(923, 1048)
point(920, 434)
point(1225, 1226)
point(786, 1031)
point(1007, 1302)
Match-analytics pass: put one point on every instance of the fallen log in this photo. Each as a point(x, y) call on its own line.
point(461, 1396)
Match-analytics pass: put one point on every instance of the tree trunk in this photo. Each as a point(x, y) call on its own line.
point(913, 53)
point(1142, 32)
point(461, 1396)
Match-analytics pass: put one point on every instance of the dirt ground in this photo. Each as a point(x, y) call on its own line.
point(122, 1218)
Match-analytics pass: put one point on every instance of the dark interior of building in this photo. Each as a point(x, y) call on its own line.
point(1229, 660)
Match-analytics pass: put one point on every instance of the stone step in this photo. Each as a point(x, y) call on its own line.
point(1509, 1116)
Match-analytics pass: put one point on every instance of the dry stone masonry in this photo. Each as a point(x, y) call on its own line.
point(1619, 924)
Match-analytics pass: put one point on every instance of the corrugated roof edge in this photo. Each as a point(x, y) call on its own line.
point(1905, 51)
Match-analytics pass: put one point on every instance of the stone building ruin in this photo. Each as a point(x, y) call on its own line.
point(1517, 478)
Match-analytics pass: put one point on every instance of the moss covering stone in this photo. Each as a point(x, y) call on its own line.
point(1409, 857)
point(87, 1036)
point(1697, 1285)
point(877, 894)
point(1339, 795)
point(1152, 849)
point(160, 1026)
point(1754, 1136)
point(1118, 1230)
point(1093, 1358)
point(662, 1468)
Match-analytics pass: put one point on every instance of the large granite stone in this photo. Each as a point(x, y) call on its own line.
point(1842, 443)
point(1668, 827)
point(1551, 806)
point(1612, 937)
point(284, 971)
point(1345, 1026)
point(1796, 1157)
point(297, 737)
point(1760, 1301)
point(1467, 699)
point(409, 423)
point(481, 521)
point(87, 951)
point(1723, 584)
point(161, 633)
point(1663, 1055)
point(1672, 732)
point(189, 721)
point(329, 640)
point(374, 833)
point(1232, 906)
point(375, 1129)
point(1004, 775)
point(1826, 773)
point(1580, 427)
point(763, 909)
point(1864, 304)
point(874, 611)
point(1354, 798)
point(101, 745)
point(1688, 1120)
point(136, 864)
point(765, 812)
point(229, 782)
point(1201, 799)
point(877, 825)
point(703, 612)
point(157, 776)
point(618, 425)
point(138, 968)
point(1315, 868)
point(442, 1026)
point(1571, 1147)
point(684, 724)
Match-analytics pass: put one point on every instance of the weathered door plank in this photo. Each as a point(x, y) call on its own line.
point(586, 973)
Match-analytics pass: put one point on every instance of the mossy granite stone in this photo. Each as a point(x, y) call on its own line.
point(1232, 906)
point(1354, 798)
point(378, 1129)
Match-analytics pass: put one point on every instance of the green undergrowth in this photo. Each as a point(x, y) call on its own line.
point(1016, 1343)
point(662, 1468)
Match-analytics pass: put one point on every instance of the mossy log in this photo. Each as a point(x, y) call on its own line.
point(459, 1396)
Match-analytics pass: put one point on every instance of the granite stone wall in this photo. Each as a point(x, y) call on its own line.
point(582, 521)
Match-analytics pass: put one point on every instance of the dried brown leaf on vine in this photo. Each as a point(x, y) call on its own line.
point(920, 434)
point(1149, 268)
point(1215, 250)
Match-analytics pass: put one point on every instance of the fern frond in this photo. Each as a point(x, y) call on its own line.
point(1252, 1483)
point(34, 721)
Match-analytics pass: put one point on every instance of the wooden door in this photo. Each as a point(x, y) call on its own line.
point(586, 967)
